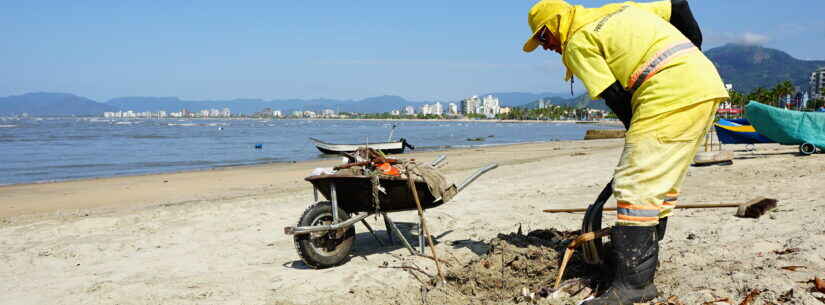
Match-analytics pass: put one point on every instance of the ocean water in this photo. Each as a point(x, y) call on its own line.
point(46, 149)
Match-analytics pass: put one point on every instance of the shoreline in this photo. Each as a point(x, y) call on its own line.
point(73, 189)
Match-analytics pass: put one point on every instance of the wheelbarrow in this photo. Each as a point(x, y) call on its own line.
point(326, 230)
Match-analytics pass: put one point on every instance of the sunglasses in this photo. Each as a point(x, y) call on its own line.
point(540, 36)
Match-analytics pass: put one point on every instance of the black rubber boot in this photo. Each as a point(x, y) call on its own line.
point(661, 228)
point(636, 253)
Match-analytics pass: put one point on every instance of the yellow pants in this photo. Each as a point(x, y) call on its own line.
point(657, 153)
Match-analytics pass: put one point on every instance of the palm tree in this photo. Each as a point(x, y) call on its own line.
point(737, 100)
point(781, 90)
point(760, 95)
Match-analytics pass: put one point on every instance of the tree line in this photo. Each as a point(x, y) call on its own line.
point(773, 96)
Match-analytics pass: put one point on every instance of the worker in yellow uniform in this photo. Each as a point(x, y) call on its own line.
point(664, 90)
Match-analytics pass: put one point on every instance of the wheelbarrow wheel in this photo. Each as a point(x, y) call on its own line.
point(807, 149)
point(323, 249)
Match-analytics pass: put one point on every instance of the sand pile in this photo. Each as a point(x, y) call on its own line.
point(516, 266)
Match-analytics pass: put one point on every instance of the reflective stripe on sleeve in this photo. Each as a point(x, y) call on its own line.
point(656, 63)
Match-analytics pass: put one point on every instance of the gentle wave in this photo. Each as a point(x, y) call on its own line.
point(77, 137)
point(196, 124)
point(147, 137)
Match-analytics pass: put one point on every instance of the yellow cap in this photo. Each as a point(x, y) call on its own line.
point(540, 15)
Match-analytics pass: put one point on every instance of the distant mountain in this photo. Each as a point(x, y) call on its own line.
point(51, 104)
point(748, 67)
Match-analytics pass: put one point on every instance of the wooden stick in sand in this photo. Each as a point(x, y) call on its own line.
point(411, 184)
point(572, 247)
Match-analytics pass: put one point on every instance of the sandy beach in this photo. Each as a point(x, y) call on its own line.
point(216, 236)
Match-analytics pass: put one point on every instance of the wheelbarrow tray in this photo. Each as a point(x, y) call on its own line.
point(354, 193)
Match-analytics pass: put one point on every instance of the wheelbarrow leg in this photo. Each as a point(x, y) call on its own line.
point(389, 230)
point(398, 234)
point(421, 243)
point(372, 232)
point(334, 199)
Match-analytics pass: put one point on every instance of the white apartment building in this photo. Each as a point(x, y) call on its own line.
point(817, 82)
point(545, 103)
point(328, 112)
point(471, 105)
point(277, 113)
point(426, 109)
point(438, 109)
point(490, 106)
point(452, 109)
point(395, 112)
point(409, 110)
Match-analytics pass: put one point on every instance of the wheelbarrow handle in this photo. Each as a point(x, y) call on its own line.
point(475, 176)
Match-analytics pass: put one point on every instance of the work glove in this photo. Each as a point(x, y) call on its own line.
point(618, 100)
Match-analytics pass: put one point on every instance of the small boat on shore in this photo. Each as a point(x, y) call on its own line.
point(789, 127)
point(738, 131)
point(396, 147)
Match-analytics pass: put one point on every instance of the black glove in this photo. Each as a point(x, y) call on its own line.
point(682, 18)
point(618, 100)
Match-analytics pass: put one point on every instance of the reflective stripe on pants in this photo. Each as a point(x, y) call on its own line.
point(657, 153)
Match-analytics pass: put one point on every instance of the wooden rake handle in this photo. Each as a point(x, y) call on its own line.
point(682, 206)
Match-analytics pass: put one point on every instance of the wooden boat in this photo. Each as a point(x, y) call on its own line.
point(738, 131)
point(788, 127)
point(396, 147)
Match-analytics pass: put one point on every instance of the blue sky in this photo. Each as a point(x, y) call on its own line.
point(421, 50)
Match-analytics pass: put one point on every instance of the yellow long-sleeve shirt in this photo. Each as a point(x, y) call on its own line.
point(637, 46)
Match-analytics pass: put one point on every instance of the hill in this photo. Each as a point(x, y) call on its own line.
point(51, 104)
point(748, 67)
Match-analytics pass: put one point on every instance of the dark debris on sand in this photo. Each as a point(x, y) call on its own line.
point(516, 264)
